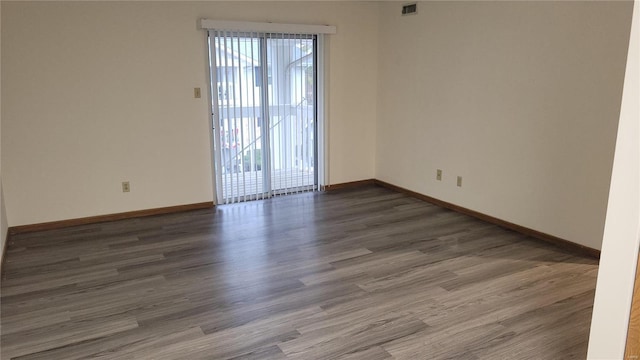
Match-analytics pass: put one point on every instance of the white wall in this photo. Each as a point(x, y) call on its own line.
point(98, 93)
point(521, 99)
point(616, 274)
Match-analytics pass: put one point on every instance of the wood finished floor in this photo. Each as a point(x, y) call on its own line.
point(358, 274)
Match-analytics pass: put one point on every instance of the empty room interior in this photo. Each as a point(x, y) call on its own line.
point(320, 180)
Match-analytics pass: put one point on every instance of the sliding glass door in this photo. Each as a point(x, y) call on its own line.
point(264, 96)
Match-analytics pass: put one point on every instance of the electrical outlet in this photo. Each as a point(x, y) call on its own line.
point(125, 186)
point(196, 93)
point(459, 181)
point(439, 175)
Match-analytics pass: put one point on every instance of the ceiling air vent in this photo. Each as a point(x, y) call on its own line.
point(409, 9)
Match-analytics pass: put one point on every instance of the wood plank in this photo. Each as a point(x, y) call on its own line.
point(566, 244)
point(632, 350)
point(359, 273)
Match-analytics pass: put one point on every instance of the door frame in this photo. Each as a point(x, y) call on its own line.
point(321, 148)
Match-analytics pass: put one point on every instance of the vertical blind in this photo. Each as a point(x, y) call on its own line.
point(264, 100)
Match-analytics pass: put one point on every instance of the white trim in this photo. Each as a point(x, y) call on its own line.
point(621, 237)
point(248, 26)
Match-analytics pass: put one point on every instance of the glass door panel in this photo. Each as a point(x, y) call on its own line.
point(264, 116)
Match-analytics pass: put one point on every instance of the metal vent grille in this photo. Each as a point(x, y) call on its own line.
point(409, 9)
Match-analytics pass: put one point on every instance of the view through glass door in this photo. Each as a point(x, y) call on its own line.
point(264, 106)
